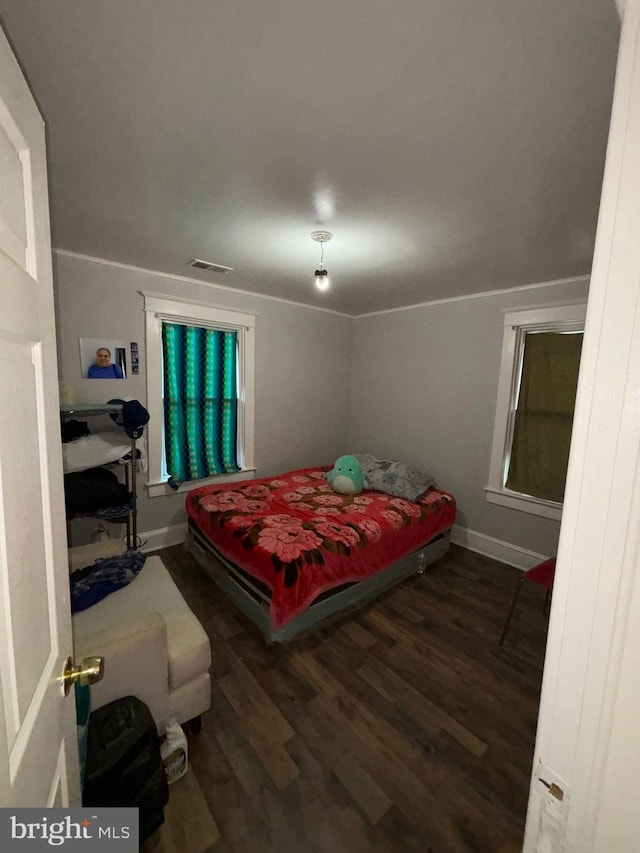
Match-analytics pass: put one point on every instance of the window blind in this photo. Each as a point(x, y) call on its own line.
point(544, 415)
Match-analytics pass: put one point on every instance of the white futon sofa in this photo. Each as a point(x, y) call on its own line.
point(154, 647)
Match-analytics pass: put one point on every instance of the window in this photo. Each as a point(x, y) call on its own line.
point(200, 368)
point(534, 413)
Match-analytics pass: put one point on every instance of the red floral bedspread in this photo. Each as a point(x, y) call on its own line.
point(299, 537)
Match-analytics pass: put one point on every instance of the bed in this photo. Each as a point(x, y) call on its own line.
point(292, 553)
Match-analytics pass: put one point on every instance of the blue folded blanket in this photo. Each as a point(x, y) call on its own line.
point(95, 582)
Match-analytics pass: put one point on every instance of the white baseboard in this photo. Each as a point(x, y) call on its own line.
point(503, 552)
point(163, 537)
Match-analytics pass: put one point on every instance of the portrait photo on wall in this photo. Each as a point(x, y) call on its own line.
point(103, 358)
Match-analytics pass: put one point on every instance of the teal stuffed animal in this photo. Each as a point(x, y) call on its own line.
point(346, 477)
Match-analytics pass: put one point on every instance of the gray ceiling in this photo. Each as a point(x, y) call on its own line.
point(451, 146)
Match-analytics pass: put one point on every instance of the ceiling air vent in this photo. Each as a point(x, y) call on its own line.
point(207, 265)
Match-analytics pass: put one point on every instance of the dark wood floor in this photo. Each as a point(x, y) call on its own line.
point(404, 727)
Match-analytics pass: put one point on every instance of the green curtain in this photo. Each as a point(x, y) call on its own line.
point(544, 416)
point(200, 402)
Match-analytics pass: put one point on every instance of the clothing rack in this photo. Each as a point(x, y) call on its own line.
point(88, 410)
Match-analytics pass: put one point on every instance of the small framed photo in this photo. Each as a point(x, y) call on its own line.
point(103, 358)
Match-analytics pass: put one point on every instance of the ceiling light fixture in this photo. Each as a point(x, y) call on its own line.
point(321, 275)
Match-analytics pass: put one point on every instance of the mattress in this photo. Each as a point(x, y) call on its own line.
point(300, 538)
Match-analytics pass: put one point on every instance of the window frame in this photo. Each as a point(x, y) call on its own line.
point(517, 322)
point(159, 307)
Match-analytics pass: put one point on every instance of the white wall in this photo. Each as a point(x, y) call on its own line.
point(423, 388)
point(302, 358)
point(419, 384)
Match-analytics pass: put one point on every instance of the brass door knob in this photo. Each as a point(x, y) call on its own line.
point(89, 671)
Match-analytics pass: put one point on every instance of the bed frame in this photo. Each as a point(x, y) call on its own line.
point(253, 597)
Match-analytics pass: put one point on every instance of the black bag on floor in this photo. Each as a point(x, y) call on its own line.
point(124, 767)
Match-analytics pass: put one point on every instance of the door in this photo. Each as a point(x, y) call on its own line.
point(584, 786)
point(38, 748)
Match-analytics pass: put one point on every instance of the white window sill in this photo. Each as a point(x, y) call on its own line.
point(161, 489)
point(524, 503)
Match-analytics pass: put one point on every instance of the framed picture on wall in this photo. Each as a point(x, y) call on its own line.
point(103, 358)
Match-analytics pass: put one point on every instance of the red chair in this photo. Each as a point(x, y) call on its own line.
point(542, 574)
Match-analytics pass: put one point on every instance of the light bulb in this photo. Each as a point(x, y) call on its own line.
point(322, 280)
